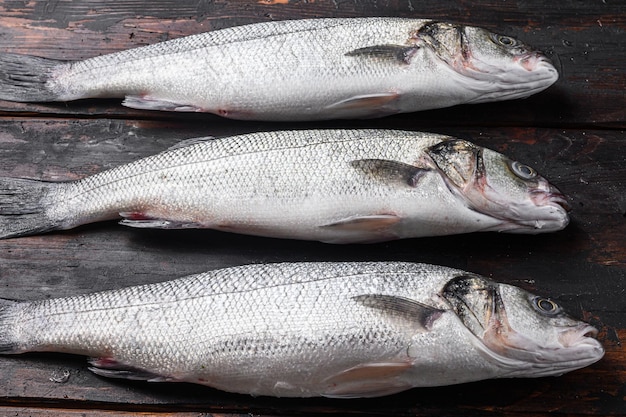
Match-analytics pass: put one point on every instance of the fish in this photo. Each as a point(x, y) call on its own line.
point(332, 329)
point(334, 186)
point(308, 69)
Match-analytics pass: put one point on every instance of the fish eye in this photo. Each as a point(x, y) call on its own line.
point(505, 41)
point(546, 306)
point(523, 171)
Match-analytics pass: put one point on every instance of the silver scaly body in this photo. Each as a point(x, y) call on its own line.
point(338, 186)
point(306, 69)
point(332, 329)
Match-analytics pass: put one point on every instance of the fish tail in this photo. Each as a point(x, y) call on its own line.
point(24, 78)
point(7, 318)
point(23, 206)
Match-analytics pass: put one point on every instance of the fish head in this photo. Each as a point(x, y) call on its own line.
point(498, 187)
point(523, 334)
point(496, 67)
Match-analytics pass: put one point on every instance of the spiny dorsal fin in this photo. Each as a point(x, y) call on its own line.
point(189, 142)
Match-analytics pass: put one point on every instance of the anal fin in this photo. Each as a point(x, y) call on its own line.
point(376, 102)
point(362, 229)
point(110, 368)
point(147, 102)
point(142, 221)
point(369, 223)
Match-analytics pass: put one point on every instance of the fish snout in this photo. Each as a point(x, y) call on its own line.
point(547, 194)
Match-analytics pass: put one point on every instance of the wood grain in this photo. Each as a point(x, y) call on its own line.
point(571, 134)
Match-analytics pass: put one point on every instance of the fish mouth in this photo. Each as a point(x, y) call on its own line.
point(583, 334)
point(533, 61)
point(514, 85)
point(545, 213)
point(553, 197)
point(578, 348)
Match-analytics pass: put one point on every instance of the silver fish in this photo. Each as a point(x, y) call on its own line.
point(312, 329)
point(336, 186)
point(297, 70)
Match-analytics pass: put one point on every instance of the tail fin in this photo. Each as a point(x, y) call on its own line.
point(7, 315)
point(24, 78)
point(23, 207)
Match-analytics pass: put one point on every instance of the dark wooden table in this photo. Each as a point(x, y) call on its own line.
point(572, 133)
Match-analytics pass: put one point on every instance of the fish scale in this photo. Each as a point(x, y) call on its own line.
point(345, 329)
point(336, 186)
point(309, 69)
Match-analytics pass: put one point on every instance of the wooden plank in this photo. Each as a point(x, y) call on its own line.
point(583, 267)
point(586, 40)
point(570, 134)
point(64, 412)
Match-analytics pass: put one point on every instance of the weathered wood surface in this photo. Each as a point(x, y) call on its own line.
point(570, 133)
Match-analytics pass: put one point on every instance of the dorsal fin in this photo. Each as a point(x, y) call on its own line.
point(189, 142)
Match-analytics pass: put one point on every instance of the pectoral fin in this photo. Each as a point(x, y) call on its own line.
point(390, 171)
point(396, 54)
point(368, 380)
point(418, 314)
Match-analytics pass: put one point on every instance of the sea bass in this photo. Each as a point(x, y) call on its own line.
point(297, 70)
point(312, 329)
point(336, 186)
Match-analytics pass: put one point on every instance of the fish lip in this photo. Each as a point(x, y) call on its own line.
point(553, 197)
point(533, 60)
point(546, 209)
point(582, 335)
